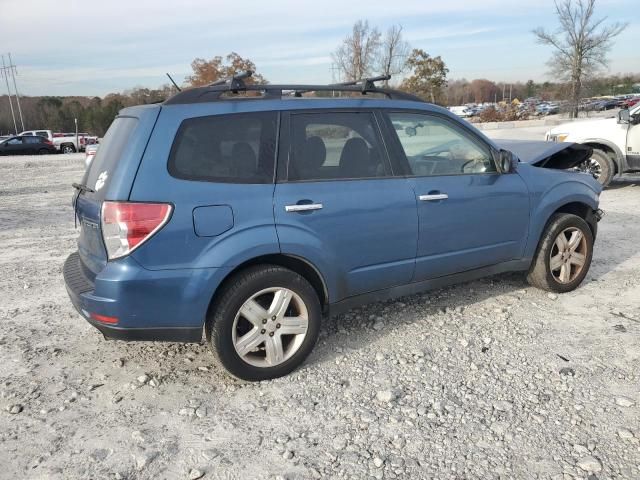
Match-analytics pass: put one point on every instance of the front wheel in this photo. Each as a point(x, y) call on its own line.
point(600, 166)
point(265, 323)
point(564, 254)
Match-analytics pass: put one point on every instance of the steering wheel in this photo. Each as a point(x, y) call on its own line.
point(463, 168)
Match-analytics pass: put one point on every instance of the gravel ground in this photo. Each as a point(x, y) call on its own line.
point(486, 380)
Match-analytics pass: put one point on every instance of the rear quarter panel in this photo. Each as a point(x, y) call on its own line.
point(177, 245)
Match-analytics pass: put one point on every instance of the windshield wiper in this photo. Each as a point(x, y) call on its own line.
point(82, 188)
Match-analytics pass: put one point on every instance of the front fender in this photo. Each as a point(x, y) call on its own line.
point(546, 201)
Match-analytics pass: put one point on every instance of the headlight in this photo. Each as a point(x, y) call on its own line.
point(557, 137)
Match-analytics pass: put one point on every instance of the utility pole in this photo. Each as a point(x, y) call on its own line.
point(14, 72)
point(6, 79)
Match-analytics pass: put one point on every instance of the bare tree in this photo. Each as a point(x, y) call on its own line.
point(580, 44)
point(394, 53)
point(358, 55)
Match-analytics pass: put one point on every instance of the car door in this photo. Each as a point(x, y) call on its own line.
point(338, 206)
point(633, 142)
point(30, 145)
point(469, 215)
point(13, 146)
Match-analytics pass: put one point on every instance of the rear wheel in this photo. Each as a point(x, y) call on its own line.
point(68, 149)
point(600, 166)
point(43, 151)
point(265, 323)
point(564, 254)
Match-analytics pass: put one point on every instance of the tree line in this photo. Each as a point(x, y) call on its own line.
point(579, 53)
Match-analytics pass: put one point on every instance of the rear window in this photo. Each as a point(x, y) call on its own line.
point(111, 149)
point(238, 148)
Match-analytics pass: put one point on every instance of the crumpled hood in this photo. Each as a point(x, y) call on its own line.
point(547, 154)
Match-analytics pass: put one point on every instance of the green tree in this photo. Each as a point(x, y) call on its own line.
point(531, 88)
point(428, 78)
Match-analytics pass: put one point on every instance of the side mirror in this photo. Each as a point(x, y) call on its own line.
point(507, 161)
point(624, 117)
point(411, 131)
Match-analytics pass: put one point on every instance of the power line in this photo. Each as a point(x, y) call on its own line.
point(14, 72)
point(6, 78)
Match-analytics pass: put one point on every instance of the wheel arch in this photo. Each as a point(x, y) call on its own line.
point(611, 149)
point(297, 264)
point(583, 202)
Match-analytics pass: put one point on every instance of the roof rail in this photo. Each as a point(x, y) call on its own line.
point(236, 84)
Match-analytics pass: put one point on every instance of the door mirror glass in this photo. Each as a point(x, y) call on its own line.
point(507, 161)
point(624, 116)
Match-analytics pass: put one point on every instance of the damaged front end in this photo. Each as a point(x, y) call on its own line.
point(560, 156)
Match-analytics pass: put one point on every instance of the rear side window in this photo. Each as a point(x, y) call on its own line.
point(32, 140)
point(112, 147)
point(340, 145)
point(237, 148)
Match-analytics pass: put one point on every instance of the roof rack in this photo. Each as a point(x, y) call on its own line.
point(216, 91)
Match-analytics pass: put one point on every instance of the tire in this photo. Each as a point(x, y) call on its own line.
point(252, 292)
point(68, 149)
point(578, 249)
point(600, 166)
point(43, 151)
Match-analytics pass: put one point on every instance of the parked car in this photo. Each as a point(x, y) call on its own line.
point(65, 142)
point(90, 152)
point(615, 143)
point(631, 102)
point(26, 145)
point(48, 134)
point(247, 219)
point(606, 105)
point(462, 111)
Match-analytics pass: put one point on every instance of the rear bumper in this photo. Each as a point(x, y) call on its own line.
point(165, 305)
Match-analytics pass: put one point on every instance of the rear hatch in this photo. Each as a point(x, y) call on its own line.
point(110, 175)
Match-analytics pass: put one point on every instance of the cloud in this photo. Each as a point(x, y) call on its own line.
point(94, 47)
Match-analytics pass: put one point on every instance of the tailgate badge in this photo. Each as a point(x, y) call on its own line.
point(102, 179)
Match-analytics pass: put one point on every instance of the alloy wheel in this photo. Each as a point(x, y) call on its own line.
point(591, 166)
point(568, 255)
point(270, 327)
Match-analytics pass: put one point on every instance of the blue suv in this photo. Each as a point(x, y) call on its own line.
point(245, 213)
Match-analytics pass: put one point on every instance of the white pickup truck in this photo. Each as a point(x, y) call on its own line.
point(65, 142)
point(615, 143)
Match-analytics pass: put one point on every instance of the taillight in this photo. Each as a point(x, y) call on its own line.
point(48, 142)
point(127, 225)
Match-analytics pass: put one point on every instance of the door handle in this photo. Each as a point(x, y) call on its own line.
point(433, 197)
point(305, 207)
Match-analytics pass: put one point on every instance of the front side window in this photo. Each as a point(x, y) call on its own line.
point(41, 134)
point(238, 148)
point(434, 146)
point(326, 146)
point(14, 141)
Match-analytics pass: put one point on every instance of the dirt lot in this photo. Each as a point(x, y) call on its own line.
point(492, 379)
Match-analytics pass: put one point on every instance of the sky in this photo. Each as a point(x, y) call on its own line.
point(89, 47)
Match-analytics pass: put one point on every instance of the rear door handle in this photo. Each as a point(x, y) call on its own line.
point(305, 207)
point(433, 197)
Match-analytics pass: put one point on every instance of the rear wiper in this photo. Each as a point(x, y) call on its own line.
point(82, 188)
